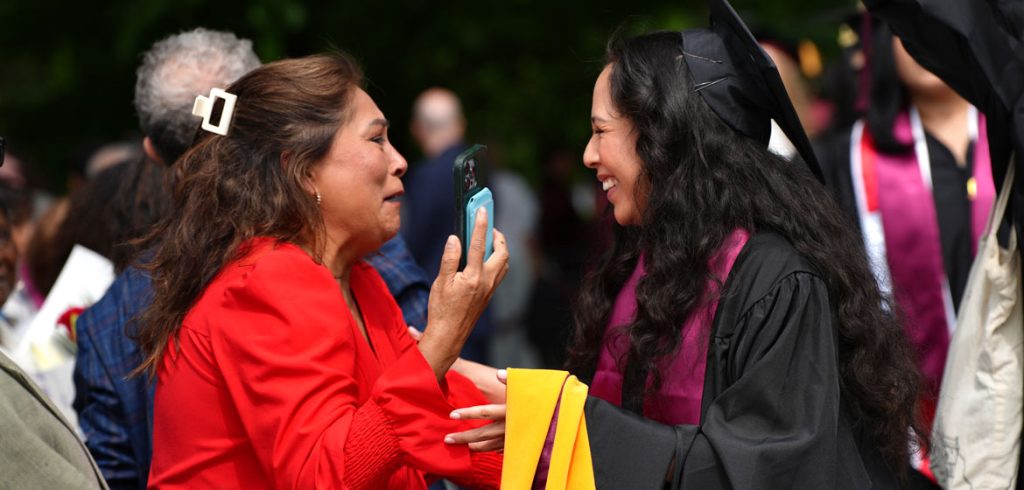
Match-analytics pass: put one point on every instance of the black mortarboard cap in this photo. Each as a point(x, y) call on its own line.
point(739, 81)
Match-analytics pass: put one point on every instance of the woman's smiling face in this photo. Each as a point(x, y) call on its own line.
point(611, 152)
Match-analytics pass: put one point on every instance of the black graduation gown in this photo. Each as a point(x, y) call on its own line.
point(952, 206)
point(772, 415)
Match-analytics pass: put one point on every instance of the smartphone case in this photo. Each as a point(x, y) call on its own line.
point(466, 186)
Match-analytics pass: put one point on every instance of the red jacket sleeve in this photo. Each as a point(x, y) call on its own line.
point(286, 349)
point(459, 392)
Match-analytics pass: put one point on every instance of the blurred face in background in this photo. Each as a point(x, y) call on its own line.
point(796, 86)
point(8, 258)
point(437, 123)
point(611, 152)
point(918, 80)
point(360, 180)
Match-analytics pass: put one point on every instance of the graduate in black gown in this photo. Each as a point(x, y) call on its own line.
point(914, 174)
point(733, 336)
point(978, 49)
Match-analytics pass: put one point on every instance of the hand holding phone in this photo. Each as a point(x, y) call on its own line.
point(457, 298)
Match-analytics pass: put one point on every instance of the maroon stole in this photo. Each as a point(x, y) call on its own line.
point(901, 230)
point(678, 400)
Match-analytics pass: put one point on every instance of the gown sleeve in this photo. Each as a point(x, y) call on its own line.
point(286, 351)
point(775, 425)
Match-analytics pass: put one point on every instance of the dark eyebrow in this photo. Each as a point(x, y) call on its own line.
point(380, 122)
point(597, 120)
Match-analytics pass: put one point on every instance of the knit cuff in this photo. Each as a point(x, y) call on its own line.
point(372, 452)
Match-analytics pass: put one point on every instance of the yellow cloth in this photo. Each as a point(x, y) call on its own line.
point(531, 397)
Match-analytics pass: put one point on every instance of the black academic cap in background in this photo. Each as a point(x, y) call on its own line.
point(740, 83)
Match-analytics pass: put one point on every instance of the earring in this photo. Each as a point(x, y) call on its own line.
point(318, 198)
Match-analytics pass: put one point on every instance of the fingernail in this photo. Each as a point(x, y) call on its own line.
point(503, 374)
point(449, 440)
point(455, 415)
point(450, 244)
point(481, 212)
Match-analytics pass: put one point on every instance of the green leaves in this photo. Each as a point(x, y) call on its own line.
point(524, 69)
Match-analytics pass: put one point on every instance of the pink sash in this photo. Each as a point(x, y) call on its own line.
point(679, 398)
point(901, 231)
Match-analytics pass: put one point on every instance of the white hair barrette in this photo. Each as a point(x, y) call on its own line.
point(204, 109)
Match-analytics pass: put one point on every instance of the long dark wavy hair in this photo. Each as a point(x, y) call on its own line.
point(888, 95)
point(703, 180)
point(252, 182)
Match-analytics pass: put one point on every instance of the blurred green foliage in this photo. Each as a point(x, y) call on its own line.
point(523, 68)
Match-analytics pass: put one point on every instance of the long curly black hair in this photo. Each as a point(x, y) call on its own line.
point(889, 96)
point(702, 180)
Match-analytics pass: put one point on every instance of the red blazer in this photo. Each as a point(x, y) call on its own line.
point(270, 384)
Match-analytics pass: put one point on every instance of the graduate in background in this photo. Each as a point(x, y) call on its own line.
point(977, 48)
point(914, 174)
point(733, 336)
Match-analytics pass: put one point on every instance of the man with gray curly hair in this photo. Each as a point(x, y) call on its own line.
point(115, 409)
point(173, 72)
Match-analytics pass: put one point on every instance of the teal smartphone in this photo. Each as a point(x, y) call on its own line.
point(471, 195)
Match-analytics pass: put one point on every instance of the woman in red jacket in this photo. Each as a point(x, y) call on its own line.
point(281, 360)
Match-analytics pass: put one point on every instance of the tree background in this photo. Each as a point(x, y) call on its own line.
point(524, 69)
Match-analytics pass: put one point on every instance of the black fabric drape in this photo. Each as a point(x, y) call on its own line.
point(976, 48)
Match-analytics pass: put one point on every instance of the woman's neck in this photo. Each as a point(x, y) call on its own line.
point(945, 118)
point(339, 256)
point(339, 260)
